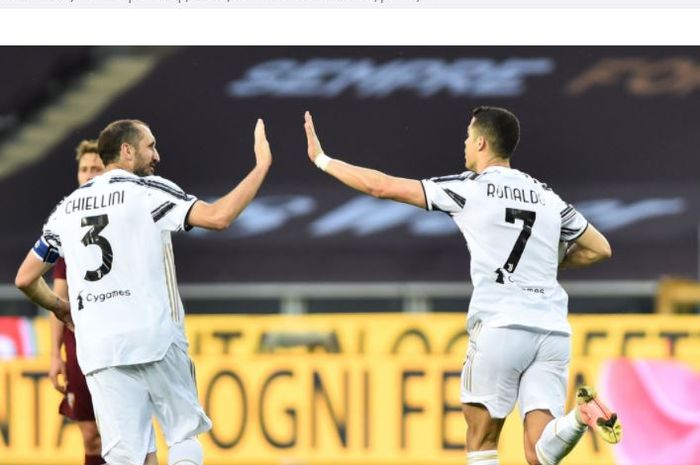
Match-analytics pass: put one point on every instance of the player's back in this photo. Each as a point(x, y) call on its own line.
point(513, 225)
point(120, 270)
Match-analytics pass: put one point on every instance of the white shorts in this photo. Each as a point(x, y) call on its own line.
point(504, 364)
point(126, 398)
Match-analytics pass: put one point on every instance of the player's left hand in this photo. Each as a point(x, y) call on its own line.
point(314, 145)
point(263, 154)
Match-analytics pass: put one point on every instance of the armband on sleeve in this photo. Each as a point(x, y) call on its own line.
point(45, 251)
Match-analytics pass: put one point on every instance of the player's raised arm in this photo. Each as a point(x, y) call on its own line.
point(220, 214)
point(368, 181)
point(589, 248)
point(30, 281)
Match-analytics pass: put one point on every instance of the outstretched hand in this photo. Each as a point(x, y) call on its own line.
point(314, 145)
point(263, 155)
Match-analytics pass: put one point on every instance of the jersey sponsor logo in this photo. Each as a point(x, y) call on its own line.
point(536, 290)
point(503, 277)
point(90, 298)
point(365, 78)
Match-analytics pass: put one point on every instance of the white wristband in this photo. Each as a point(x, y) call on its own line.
point(322, 161)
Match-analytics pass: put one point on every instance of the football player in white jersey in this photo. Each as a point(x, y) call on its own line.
point(519, 337)
point(76, 403)
point(114, 233)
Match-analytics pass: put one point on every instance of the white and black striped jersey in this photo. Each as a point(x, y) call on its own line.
point(114, 233)
point(513, 225)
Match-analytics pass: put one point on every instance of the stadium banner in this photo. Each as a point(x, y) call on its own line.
point(384, 389)
point(648, 336)
point(321, 409)
point(578, 106)
point(380, 389)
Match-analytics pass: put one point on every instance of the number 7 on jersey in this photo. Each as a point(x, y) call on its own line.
point(528, 219)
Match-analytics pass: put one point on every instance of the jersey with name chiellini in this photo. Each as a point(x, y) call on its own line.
point(513, 225)
point(114, 233)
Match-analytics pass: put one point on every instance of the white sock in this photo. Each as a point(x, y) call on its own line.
point(187, 452)
point(482, 457)
point(559, 438)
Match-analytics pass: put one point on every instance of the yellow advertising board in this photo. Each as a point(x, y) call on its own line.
point(360, 389)
point(266, 409)
point(434, 333)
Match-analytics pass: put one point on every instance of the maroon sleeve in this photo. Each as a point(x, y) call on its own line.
point(59, 269)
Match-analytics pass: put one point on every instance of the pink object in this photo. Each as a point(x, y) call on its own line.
point(16, 337)
point(658, 403)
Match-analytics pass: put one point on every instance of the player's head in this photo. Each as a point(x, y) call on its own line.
point(89, 161)
point(492, 132)
point(130, 145)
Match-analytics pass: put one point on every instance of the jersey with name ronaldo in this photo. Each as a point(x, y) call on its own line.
point(513, 225)
point(114, 233)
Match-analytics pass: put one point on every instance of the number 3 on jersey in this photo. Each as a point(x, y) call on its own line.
point(93, 237)
point(528, 219)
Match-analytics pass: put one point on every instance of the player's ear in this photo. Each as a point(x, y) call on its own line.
point(126, 151)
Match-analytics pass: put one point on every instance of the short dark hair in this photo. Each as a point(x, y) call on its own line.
point(85, 146)
point(500, 127)
point(114, 135)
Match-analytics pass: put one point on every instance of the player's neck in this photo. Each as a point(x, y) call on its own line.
point(117, 166)
point(490, 161)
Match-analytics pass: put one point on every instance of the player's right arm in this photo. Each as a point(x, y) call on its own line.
point(589, 248)
point(220, 214)
point(58, 365)
point(30, 281)
point(368, 181)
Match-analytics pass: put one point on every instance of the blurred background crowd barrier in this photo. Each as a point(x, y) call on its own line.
point(611, 129)
point(314, 320)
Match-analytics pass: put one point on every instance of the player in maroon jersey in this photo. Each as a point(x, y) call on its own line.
point(77, 403)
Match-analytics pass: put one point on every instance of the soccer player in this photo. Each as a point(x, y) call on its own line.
point(519, 336)
point(76, 403)
point(114, 233)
